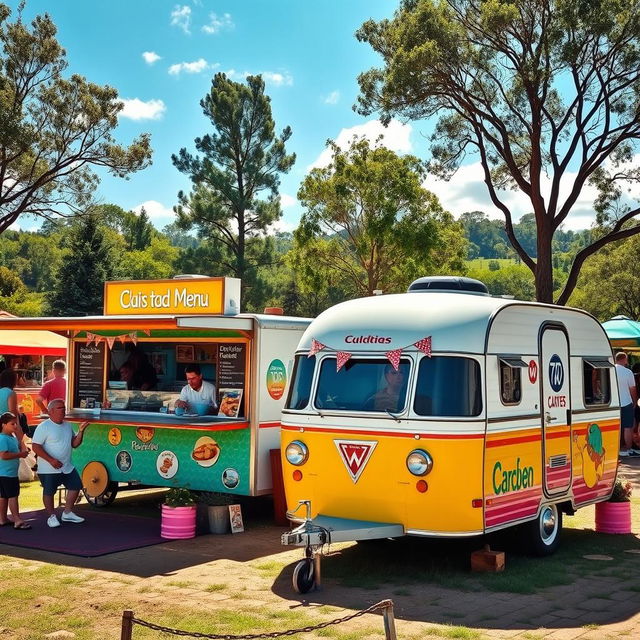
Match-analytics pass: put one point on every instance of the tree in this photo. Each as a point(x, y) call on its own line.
point(369, 222)
point(543, 92)
point(53, 129)
point(241, 159)
point(88, 263)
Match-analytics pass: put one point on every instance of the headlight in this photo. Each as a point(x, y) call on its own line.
point(297, 453)
point(419, 462)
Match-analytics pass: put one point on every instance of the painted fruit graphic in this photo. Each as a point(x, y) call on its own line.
point(592, 456)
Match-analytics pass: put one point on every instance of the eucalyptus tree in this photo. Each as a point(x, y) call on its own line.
point(543, 93)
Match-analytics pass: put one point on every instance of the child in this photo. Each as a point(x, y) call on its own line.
point(10, 453)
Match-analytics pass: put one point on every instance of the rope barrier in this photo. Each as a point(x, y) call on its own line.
point(128, 621)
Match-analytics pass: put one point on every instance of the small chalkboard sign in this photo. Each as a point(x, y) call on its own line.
point(89, 363)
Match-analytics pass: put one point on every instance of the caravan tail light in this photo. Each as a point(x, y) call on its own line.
point(419, 462)
point(297, 453)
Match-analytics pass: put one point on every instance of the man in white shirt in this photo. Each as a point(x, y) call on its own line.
point(628, 400)
point(53, 442)
point(197, 389)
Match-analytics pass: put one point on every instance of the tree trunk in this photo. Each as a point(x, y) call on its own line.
point(544, 268)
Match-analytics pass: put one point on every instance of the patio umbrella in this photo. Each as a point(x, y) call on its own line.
point(623, 332)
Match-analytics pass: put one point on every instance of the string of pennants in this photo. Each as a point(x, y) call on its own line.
point(111, 340)
point(424, 345)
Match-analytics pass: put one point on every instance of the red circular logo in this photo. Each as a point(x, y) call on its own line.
point(533, 371)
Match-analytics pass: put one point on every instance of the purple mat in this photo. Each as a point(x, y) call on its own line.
point(101, 533)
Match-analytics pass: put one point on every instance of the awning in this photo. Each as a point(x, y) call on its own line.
point(33, 343)
point(513, 361)
point(622, 332)
point(598, 362)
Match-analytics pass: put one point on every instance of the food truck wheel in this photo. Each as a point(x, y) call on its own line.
point(303, 578)
point(105, 498)
point(97, 489)
point(544, 531)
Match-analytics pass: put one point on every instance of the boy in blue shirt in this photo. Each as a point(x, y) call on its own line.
point(11, 450)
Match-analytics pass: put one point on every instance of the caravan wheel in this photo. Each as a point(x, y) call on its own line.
point(544, 531)
point(303, 577)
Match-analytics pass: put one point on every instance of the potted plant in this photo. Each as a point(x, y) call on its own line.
point(178, 514)
point(614, 515)
point(214, 511)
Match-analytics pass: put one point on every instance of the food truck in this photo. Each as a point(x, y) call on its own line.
point(159, 328)
point(31, 355)
point(506, 414)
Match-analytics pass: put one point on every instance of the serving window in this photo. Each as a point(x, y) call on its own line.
point(511, 379)
point(149, 375)
point(596, 380)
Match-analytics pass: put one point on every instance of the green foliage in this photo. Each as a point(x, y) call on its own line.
point(87, 264)
point(240, 159)
point(53, 128)
point(530, 89)
point(179, 497)
point(509, 280)
point(622, 491)
point(370, 224)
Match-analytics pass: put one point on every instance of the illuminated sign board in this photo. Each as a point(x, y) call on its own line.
point(188, 296)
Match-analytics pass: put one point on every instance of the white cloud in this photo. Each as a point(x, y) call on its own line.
point(159, 215)
point(287, 201)
point(466, 191)
point(181, 17)
point(281, 225)
point(270, 77)
point(136, 109)
point(218, 23)
point(332, 98)
point(150, 57)
point(189, 67)
point(395, 137)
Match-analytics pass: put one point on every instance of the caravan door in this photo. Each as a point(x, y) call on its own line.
point(556, 409)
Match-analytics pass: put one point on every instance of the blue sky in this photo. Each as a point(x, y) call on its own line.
point(161, 56)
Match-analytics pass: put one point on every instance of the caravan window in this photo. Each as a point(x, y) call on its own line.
point(511, 379)
point(448, 386)
point(300, 391)
point(597, 380)
point(363, 385)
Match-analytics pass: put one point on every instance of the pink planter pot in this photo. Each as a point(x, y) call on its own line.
point(613, 517)
point(178, 523)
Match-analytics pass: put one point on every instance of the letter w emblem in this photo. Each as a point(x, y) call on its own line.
point(355, 454)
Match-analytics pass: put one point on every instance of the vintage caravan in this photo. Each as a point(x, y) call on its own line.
point(127, 369)
point(445, 412)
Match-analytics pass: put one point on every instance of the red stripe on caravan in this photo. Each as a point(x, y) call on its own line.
point(522, 511)
point(503, 442)
point(516, 505)
point(433, 436)
point(607, 427)
point(557, 434)
point(268, 425)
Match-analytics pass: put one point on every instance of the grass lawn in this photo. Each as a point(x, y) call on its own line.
point(225, 597)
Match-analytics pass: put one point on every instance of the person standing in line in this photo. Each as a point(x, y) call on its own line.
point(11, 450)
point(8, 397)
point(628, 400)
point(53, 443)
point(54, 388)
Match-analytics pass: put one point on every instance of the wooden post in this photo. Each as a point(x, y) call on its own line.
point(389, 621)
point(127, 625)
point(317, 574)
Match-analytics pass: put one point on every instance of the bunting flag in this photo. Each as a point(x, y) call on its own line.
point(146, 332)
point(424, 345)
point(110, 340)
point(75, 332)
point(315, 347)
point(394, 357)
point(133, 336)
point(341, 358)
point(91, 337)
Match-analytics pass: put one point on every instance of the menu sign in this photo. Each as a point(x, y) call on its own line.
point(231, 366)
point(89, 366)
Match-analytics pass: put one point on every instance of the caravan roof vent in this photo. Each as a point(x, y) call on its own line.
point(188, 276)
point(451, 284)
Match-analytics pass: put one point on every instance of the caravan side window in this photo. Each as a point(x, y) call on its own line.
point(300, 391)
point(597, 380)
point(511, 379)
point(448, 386)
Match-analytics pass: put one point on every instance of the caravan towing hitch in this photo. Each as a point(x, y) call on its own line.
point(306, 574)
